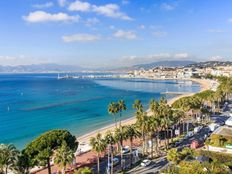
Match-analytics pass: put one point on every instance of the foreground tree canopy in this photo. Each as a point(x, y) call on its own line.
point(41, 149)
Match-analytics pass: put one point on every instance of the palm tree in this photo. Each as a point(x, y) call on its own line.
point(131, 132)
point(154, 107)
point(153, 123)
point(22, 165)
point(121, 107)
point(63, 156)
point(113, 109)
point(141, 123)
point(8, 157)
point(119, 137)
point(166, 119)
point(109, 139)
point(138, 106)
point(98, 145)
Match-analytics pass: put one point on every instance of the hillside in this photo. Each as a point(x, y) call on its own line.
point(169, 63)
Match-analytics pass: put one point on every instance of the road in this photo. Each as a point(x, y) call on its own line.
point(155, 166)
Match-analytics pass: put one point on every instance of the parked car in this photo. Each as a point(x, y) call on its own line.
point(195, 144)
point(189, 134)
point(197, 129)
point(125, 149)
point(145, 162)
point(177, 143)
point(115, 162)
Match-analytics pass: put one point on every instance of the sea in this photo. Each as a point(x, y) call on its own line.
point(31, 104)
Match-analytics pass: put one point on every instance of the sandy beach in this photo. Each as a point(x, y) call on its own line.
point(205, 85)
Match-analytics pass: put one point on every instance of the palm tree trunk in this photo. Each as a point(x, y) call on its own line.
point(152, 146)
point(121, 156)
point(63, 170)
point(131, 155)
point(115, 121)
point(98, 164)
point(112, 157)
point(143, 142)
point(120, 116)
point(49, 166)
point(157, 142)
point(6, 169)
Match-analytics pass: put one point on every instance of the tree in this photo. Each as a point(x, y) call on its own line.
point(109, 139)
point(64, 156)
point(23, 164)
point(121, 107)
point(42, 148)
point(131, 132)
point(138, 106)
point(98, 145)
point(8, 157)
point(119, 136)
point(141, 123)
point(173, 156)
point(84, 170)
point(113, 109)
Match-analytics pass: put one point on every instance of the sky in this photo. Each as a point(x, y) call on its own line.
point(105, 33)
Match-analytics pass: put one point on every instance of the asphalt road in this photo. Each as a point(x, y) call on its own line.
point(155, 166)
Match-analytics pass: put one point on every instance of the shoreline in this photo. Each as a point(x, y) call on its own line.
point(204, 85)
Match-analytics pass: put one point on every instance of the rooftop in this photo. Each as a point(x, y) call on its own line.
point(226, 131)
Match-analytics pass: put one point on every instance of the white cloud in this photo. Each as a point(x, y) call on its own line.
point(142, 27)
point(159, 33)
point(91, 21)
point(81, 37)
point(133, 60)
point(108, 10)
point(166, 6)
point(215, 31)
point(80, 6)
point(125, 34)
point(111, 10)
point(230, 20)
point(62, 3)
point(216, 58)
point(7, 60)
point(41, 16)
point(46, 5)
point(181, 55)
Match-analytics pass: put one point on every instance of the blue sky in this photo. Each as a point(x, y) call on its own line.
point(114, 32)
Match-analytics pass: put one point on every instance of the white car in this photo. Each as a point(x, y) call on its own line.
point(125, 149)
point(145, 162)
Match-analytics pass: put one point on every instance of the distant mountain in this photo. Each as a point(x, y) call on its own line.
point(210, 64)
point(40, 68)
point(168, 63)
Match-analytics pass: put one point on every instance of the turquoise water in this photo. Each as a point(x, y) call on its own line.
point(33, 104)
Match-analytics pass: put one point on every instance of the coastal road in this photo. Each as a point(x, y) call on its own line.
point(155, 166)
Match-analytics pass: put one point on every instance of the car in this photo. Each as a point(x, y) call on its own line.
point(177, 143)
point(197, 129)
point(125, 149)
point(115, 161)
point(145, 162)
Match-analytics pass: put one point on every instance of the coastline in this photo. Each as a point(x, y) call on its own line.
point(84, 139)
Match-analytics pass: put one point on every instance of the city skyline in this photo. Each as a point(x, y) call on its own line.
point(114, 33)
